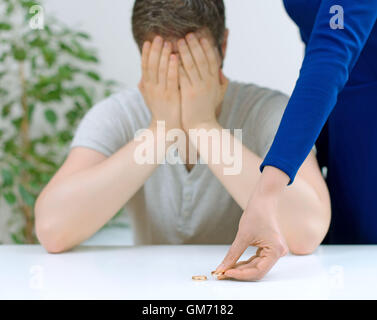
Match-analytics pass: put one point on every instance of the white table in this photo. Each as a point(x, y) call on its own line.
point(164, 272)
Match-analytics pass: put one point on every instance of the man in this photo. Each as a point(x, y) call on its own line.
point(183, 46)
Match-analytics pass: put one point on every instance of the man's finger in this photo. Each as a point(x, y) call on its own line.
point(236, 250)
point(144, 59)
point(184, 81)
point(209, 51)
point(188, 61)
point(164, 65)
point(154, 59)
point(198, 55)
point(172, 78)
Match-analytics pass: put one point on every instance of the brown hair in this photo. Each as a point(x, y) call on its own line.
point(176, 18)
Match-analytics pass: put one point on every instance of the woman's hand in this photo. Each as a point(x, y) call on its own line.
point(258, 227)
point(159, 83)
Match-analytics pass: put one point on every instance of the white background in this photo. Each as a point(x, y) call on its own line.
point(264, 44)
point(264, 47)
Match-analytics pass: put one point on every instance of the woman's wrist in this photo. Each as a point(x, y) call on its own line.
point(272, 182)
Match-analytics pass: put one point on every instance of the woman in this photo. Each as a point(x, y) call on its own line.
point(337, 84)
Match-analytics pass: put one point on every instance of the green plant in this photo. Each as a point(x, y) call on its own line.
point(47, 83)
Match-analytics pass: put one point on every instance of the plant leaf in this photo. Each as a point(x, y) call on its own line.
point(93, 75)
point(7, 177)
point(17, 122)
point(83, 35)
point(51, 116)
point(49, 56)
point(10, 197)
point(28, 198)
point(17, 239)
point(5, 26)
point(6, 109)
point(30, 111)
point(18, 53)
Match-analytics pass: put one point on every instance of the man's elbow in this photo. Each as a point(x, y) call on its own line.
point(303, 248)
point(47, 231)
point(50, 242)
point(312, 236)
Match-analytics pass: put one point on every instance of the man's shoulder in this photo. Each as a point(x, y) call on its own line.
point(253, 93)
point(125, 98)
point(248, 100)
point(257, 110)
point(127, 95)
point(127, 101)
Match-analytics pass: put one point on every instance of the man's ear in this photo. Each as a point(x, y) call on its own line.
point(224, 45)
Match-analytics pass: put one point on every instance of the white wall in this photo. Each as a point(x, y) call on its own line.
point(264, 45)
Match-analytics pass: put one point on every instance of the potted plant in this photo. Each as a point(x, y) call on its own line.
point(48, 81)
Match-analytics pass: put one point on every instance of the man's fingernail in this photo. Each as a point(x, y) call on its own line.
point(181, 42)
point(190, 36)
point(158, 39)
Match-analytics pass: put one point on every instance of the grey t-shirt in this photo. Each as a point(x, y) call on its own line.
point(176, 206)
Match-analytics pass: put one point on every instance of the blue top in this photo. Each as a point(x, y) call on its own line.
point(334, 58)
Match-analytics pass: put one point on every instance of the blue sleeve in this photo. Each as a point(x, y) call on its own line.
point(330, 56)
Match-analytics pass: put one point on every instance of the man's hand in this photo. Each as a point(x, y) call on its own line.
point(159, 84)
point(258, 227)
point(202, 84)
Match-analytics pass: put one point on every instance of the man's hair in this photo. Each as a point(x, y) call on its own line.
point(176, 18)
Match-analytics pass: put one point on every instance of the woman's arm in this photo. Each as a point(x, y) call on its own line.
point(304, 208)
point(329, 59)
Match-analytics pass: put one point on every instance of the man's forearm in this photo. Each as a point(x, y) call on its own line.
point(70, 211)
point(239, 185)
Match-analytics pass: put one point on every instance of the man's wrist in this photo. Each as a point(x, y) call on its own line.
point(159, 133)
point(205, 124)
point(199, 133)
point(154, 124)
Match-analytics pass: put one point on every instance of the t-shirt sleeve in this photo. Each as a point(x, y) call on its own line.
point(264, 119)
point(267, 121)
point(330, 57)
point(104, 128)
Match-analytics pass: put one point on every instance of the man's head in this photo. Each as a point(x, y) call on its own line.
point(173, 19)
